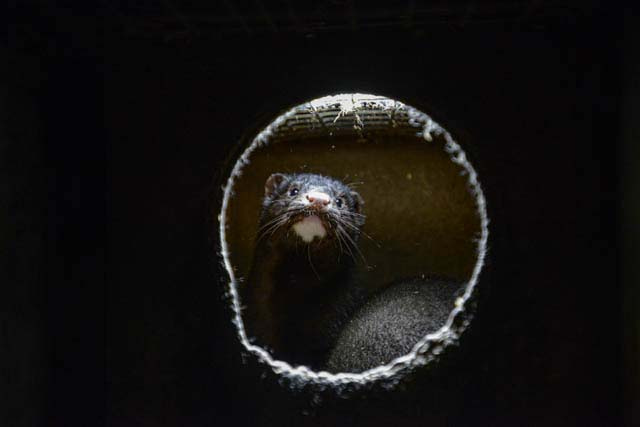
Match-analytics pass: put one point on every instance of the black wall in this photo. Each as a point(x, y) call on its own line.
point(112, 306)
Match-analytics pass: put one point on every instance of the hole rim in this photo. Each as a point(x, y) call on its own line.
point(430, 347)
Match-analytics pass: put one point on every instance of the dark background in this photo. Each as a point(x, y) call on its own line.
point(118, 125)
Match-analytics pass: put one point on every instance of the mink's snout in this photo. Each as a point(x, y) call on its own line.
point(318, 200)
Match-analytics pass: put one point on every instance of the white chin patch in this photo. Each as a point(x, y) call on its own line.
point(309, 228)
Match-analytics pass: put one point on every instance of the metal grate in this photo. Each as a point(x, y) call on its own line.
point(355, 114)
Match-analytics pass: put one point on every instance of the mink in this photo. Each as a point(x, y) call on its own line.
point(300, 289)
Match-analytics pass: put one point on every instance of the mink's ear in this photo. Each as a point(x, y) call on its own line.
point(273, 182)
point(358, 202)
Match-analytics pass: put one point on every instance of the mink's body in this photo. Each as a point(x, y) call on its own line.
point(392, 321)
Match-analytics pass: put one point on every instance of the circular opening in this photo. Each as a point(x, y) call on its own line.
point(417, 215)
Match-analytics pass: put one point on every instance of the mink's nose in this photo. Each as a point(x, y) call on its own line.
point(318, 199)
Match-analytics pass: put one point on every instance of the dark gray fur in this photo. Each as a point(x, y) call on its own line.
point(392, 322)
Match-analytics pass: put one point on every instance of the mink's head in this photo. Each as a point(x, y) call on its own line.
point(312, 209)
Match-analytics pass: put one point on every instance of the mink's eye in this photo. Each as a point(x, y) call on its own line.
point(339, 202)
point(294, 191)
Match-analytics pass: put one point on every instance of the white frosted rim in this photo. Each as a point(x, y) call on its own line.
point(336, 110)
